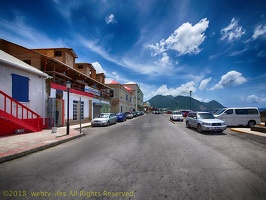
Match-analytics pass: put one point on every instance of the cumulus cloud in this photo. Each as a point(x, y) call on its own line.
point(98, 67)
point(164, 61)
point(232, 78)
point(232, 32)
point(110, 19)
point(204, 83)
point(185, 40)
point(253, 99)
point(182, 90)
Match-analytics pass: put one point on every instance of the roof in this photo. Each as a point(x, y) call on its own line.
point(64, 48)
point(131, 83)
point(14, 62)
point(128, 88)
point(114, 82)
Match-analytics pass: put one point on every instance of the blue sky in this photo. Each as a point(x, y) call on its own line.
point(216, 49)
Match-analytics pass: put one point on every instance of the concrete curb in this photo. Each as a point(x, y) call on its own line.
point(238, 131)
point(40, 148)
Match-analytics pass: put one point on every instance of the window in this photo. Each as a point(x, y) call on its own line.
point(57, 53)
point(75, 110)
point(80, 66)
point(20, 88)
point(253, 111)
point(27, 61)
point(229, 112)
point(241, 111)
point(78, 110)
point(82, 109)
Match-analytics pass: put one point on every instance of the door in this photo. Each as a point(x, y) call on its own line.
point(59, 112)
point(228, 117)
point(78, 110)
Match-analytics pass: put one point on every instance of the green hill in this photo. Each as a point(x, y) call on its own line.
point(182, 103)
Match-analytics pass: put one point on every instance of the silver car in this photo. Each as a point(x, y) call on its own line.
point(104, 119)
point(204, 121)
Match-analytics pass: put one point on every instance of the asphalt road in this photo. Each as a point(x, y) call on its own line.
point(148, 157)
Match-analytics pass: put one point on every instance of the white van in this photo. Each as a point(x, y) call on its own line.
point(247, 116)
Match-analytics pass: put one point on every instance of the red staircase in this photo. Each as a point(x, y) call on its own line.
point(14, 115)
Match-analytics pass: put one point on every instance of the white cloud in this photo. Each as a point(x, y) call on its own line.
point(251, 99)
point(98, 67)
point(232, 31)
point(164, 61)
point(259, 32)
point(185, 40)
point(232, 78)
point(110, 19)
point(182, 90)
point(204, 83)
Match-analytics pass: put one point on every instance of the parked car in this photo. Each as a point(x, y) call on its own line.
point(129, 115)
point(239, 116)
point(104, 119)
point(204, 121)
point(176, 116)
point(121, 117)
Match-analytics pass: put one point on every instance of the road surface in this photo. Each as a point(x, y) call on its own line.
point(147, 157)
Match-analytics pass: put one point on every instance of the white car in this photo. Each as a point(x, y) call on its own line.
point(104, 119)
point(204, 121)
point(177, 116)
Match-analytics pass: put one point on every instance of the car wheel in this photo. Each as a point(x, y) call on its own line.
point(251, 123)
point(199, 128)
point(187, 124)
point(108, 123)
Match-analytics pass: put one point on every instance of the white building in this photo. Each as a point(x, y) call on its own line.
point(25, 84)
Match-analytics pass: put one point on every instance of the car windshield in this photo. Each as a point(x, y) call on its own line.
point(177, 113)
point(103, 116)
point(218, 112)
point(205, 116)
point(117, 114)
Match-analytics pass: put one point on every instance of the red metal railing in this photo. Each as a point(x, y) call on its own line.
point(20, 111)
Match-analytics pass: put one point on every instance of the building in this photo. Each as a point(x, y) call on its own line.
point(88, 96)
point(123, 99)
point(22, 96)
point(138, 95)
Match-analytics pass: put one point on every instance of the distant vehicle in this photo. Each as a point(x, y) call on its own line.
point(204, 121)
point(121, 117)
point(134, 114)
point(129, 115)
point(104, 119)
point(246, 116)
point(185, 112)
point(177, 116)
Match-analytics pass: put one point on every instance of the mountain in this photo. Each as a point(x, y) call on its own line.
point(182, 103)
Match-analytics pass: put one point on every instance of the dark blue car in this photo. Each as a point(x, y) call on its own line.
point(121, 117)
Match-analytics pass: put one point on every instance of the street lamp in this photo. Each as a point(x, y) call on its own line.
point(190, 92)
point(68, 86)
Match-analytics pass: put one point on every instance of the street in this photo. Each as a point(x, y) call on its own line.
point(148, 157)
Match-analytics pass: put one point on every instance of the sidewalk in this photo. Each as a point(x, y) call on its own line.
point(15, 146)
point(247, 131)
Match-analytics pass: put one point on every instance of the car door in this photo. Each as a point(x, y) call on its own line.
point(193, 120)
point(113, 118)
point(228, 117)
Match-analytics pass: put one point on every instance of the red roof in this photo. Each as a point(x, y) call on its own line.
point(113, 82)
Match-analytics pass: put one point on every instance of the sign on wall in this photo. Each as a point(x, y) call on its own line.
point(92, 90)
